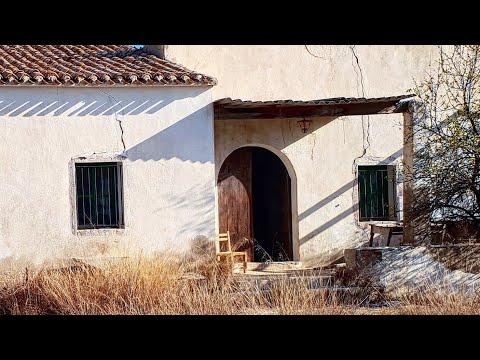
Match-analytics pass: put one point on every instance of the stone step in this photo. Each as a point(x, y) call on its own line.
point(314, 282)
point(334, 294)
point(238, 271)
point(265, 282)
point(274, 266)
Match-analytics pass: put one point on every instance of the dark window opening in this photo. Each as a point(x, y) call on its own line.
point(376, 186)
point(99, 188)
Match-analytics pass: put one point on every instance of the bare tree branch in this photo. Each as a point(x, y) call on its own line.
point(446, 169)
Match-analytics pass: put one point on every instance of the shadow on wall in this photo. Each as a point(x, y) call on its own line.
point(245, 133)
point(202, 200)
point(189, 139)
point(294, 133)
point(82, 108)
point(348, 186)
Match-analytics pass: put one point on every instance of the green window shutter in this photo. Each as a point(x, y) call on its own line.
point(374, 184)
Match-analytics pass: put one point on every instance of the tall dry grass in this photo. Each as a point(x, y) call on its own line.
point(438, 300)
point(198, 285)
point(161, 285)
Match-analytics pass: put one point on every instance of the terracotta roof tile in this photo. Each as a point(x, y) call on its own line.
point(91, 65)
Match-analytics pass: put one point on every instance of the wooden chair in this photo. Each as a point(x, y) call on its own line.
point(229, 253)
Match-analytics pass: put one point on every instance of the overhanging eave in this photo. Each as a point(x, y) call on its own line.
point(226, 109)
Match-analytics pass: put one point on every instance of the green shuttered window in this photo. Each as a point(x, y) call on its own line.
point(99, 188)
point(376, 190)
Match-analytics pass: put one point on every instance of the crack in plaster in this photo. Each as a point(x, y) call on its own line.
point(314, 143)
point(359, 74)
point(116, 119)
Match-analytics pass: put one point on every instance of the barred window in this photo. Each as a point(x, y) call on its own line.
point(99, 188)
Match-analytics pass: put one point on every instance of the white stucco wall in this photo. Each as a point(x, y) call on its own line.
point(325, 197)
point(169, 177)
point(323, 158)
point(268, 72)
point(171, 162)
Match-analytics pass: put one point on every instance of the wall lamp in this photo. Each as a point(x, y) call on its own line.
point(304, 125)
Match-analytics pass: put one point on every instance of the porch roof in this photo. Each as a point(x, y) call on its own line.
point(227, 108)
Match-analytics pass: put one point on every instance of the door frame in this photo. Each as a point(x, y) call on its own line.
point(293, 192)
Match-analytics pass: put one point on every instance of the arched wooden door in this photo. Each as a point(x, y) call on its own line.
point(254, 203)
point(235, 198)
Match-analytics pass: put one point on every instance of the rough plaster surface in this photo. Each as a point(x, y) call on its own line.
point(321, 166)
point(322, 160)
point(268, 72)
point(166, 138)
point(171, 162)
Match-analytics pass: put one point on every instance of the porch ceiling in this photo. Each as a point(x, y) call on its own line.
point(226, 109)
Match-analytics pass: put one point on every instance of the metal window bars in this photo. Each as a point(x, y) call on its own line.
point(99, 194)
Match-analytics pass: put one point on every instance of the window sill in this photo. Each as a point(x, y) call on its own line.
point(100, 232)
point(380, 222)
point(376, 220)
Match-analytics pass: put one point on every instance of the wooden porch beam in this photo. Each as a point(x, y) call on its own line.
point(248, 111)
point(408, 176)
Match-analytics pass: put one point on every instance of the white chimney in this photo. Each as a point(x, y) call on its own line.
point(157, 50)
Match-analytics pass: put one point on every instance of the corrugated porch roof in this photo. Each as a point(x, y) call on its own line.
point(227, 108)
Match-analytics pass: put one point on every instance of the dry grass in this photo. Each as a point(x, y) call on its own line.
point(153, 286)
point(163, 285)
point(432, 301)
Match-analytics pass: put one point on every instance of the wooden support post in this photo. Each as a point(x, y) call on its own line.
point(407, 176)
point(371, 236)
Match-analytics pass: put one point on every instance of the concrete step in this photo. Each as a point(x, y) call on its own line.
point(264, 282)
point(314, 282)
point(274, 266)
point(238, 271)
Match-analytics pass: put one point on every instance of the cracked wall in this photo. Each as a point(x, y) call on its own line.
point(267, 72)
point(326, 158)
point(326, 199)
point(168, 185)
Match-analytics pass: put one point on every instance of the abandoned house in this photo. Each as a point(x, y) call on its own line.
point(110, 150)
